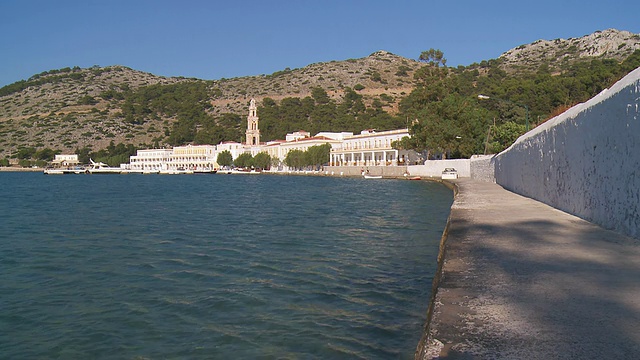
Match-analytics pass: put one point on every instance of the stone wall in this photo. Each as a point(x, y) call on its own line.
point(482, 168)
point(431, 168)
point(585, 161)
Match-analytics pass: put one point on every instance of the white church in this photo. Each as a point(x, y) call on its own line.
point(369, 148)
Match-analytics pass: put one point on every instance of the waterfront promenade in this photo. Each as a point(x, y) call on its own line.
point(522, 280)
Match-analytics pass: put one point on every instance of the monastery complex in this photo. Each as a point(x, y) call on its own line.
point(369, 148)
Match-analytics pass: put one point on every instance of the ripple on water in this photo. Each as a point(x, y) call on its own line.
point(216, 267)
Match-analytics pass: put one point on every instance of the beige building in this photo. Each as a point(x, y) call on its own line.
point(194, 157)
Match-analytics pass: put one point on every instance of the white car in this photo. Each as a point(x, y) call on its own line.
point(449, 174)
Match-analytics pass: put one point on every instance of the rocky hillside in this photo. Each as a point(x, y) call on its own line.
point(379, 73)
point(72, 108)
point(611, 44)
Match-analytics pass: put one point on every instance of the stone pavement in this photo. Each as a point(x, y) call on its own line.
point(522, 280)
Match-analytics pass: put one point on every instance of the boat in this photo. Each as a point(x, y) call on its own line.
point(366, 176)
point(414, 178)
point(54, 171)
point(178, 171)
point(101, 168)
point(62, 171)
point(205, 171)
point(242, 171)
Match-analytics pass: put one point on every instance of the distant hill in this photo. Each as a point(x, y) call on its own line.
point(559, 53)
point(73, 108)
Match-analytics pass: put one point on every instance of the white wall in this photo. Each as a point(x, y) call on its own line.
point(433, 168)
point(585, 161)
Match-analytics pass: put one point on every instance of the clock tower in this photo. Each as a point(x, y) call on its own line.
point(253, 133)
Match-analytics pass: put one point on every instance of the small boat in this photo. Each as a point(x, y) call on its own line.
point(54, 171)
point(414, 178)
point(178, 171)
point(366, 176)
point(205, 171)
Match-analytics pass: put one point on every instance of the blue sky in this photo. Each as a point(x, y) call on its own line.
point(225, 39)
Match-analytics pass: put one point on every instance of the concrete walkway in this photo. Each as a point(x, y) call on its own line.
point(522, 280)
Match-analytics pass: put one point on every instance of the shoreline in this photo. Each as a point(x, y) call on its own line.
point(16, 169)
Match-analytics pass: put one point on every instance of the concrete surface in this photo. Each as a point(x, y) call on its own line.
point(522, 280)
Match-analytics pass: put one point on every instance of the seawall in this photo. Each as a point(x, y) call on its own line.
point(585, 161)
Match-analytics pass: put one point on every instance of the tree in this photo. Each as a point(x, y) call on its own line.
point(244, 160)
point(225, 158)
point(433, 57)
point(87, 100)
point(295, 159)
point(318, 155)
point(45, 154)
point(83, 154)
point(262, 160)
point(4, 162)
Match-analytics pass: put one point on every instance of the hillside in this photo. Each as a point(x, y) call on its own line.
point(75, 108)
point(70, 109)
point(560, 53)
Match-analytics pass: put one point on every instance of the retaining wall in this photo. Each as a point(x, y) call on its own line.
point(585, 161)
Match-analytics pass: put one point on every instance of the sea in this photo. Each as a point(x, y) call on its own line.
point(216, 266)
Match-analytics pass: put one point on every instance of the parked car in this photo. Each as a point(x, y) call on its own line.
point(449, 174)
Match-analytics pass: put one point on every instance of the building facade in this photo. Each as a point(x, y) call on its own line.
point(370, 148)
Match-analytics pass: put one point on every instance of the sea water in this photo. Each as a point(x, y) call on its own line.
point(215, 266)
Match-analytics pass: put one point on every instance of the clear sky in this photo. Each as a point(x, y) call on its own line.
point(229, 38)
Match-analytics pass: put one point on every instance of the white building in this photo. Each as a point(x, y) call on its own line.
point(235, 148)
point(370, 148)
point(150, 159)
point(63, 160)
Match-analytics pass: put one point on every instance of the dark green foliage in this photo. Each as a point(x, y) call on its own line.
point(262, 160)
point(296, 159)
point(187, 102)
point(87, 100)
point(25, 153)
point(448, 119)
point(320, 113)
point(114, 155)
point(4, 162)
point(315, 157)
point(46, 154)
point(318, 155)
point(83, 154)
point(225, 158)
point(244, 160)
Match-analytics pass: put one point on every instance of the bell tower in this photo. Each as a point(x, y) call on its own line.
point(253, 132)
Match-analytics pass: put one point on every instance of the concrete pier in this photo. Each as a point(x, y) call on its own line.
point(522, 280)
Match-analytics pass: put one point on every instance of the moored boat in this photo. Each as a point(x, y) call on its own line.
point(101, 168)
